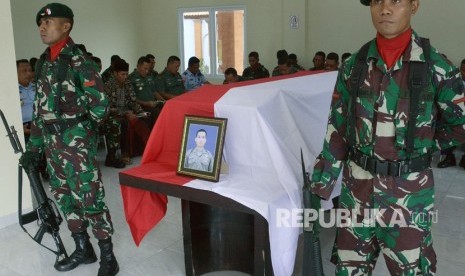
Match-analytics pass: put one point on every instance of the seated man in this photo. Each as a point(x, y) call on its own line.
point(255, 70)
point(125, 123)
point(192, 77)
point(292, 61)
point(318, 61)
point(230, 76)
point(152, 70)
point(143, 84)
point(284, 68)
point(168, 83)
point(332, 62)
point(106, 75)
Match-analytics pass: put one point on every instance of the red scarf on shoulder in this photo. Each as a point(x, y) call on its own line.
point(391, 49)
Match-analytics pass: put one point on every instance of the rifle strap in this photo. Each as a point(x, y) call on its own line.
point(356, 79)
point(418, 77)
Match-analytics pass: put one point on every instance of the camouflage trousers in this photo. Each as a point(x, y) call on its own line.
point(76, 179)
point(391, 215)
point(111, 128)
point(122, 133)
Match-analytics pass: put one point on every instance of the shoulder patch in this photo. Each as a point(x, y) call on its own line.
point(89, 83)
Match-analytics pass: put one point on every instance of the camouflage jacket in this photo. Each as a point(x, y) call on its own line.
point(382, 112)
point(129, 101)
point(260, 72)
point(82, 93)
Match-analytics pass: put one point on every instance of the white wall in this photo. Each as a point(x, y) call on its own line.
point(10, 107)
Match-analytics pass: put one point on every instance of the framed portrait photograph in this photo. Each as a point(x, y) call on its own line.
point(202, 147)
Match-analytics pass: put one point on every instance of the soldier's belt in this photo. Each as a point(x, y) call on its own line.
point(390, 168)
point(58, 127)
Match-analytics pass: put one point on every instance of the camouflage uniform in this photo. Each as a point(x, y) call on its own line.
point(250, 74)
point(199, 159)
point(116, 126)
point(75, 176)
point(112, 125)
point(380, 131)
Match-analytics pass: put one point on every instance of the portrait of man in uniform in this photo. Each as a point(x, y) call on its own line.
point(201, 147)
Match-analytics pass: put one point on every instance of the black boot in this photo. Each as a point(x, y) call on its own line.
point(84, 253)
point(449, 161)
point(108, 264)
point(462, 162)
point(112, 161)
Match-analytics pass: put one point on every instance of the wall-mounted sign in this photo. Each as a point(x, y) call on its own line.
point(294, 21)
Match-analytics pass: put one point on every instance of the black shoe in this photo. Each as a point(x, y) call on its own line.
point(462, 162)
point(449, 161)
point(84, 253)
point(115, 163)
point(108, 264)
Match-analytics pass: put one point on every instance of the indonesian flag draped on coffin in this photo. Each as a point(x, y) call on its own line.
point(268, 123)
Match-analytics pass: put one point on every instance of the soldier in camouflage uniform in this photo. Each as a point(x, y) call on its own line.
point(126, 116)
point(385, 166)
point(69, 105)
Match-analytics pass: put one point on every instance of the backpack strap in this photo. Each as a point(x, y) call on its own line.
point(64, 63)
point(38, 68)
point(418, 78)
point(356, 79)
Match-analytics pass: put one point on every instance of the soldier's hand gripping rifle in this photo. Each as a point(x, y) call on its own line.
point(312, 264)
point(47, 213)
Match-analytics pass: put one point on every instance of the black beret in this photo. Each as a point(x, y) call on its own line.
point(365, 2)
point(54, 10)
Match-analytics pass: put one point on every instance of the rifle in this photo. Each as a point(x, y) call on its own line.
point(47, 213)
point(311, 264)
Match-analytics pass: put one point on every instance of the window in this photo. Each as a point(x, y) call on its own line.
point(215, 36)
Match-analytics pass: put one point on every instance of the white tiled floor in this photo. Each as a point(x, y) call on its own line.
point(161, 252)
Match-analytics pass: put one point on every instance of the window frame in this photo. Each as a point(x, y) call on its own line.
point(212, 33)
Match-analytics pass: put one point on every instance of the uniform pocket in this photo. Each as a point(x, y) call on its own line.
point(401, 119)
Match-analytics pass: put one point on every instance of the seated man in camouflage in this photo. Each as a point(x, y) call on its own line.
point(169, 82)
point(125, 119)
point(256, 70)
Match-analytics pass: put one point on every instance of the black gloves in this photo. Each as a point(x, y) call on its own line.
point(30, 161)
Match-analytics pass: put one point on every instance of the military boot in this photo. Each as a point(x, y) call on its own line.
point(112, 161)
point(462, 162)
point(84, 253)
point(108, 264)
point(449, 161)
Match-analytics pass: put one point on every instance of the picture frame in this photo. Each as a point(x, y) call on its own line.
point(202, 147)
